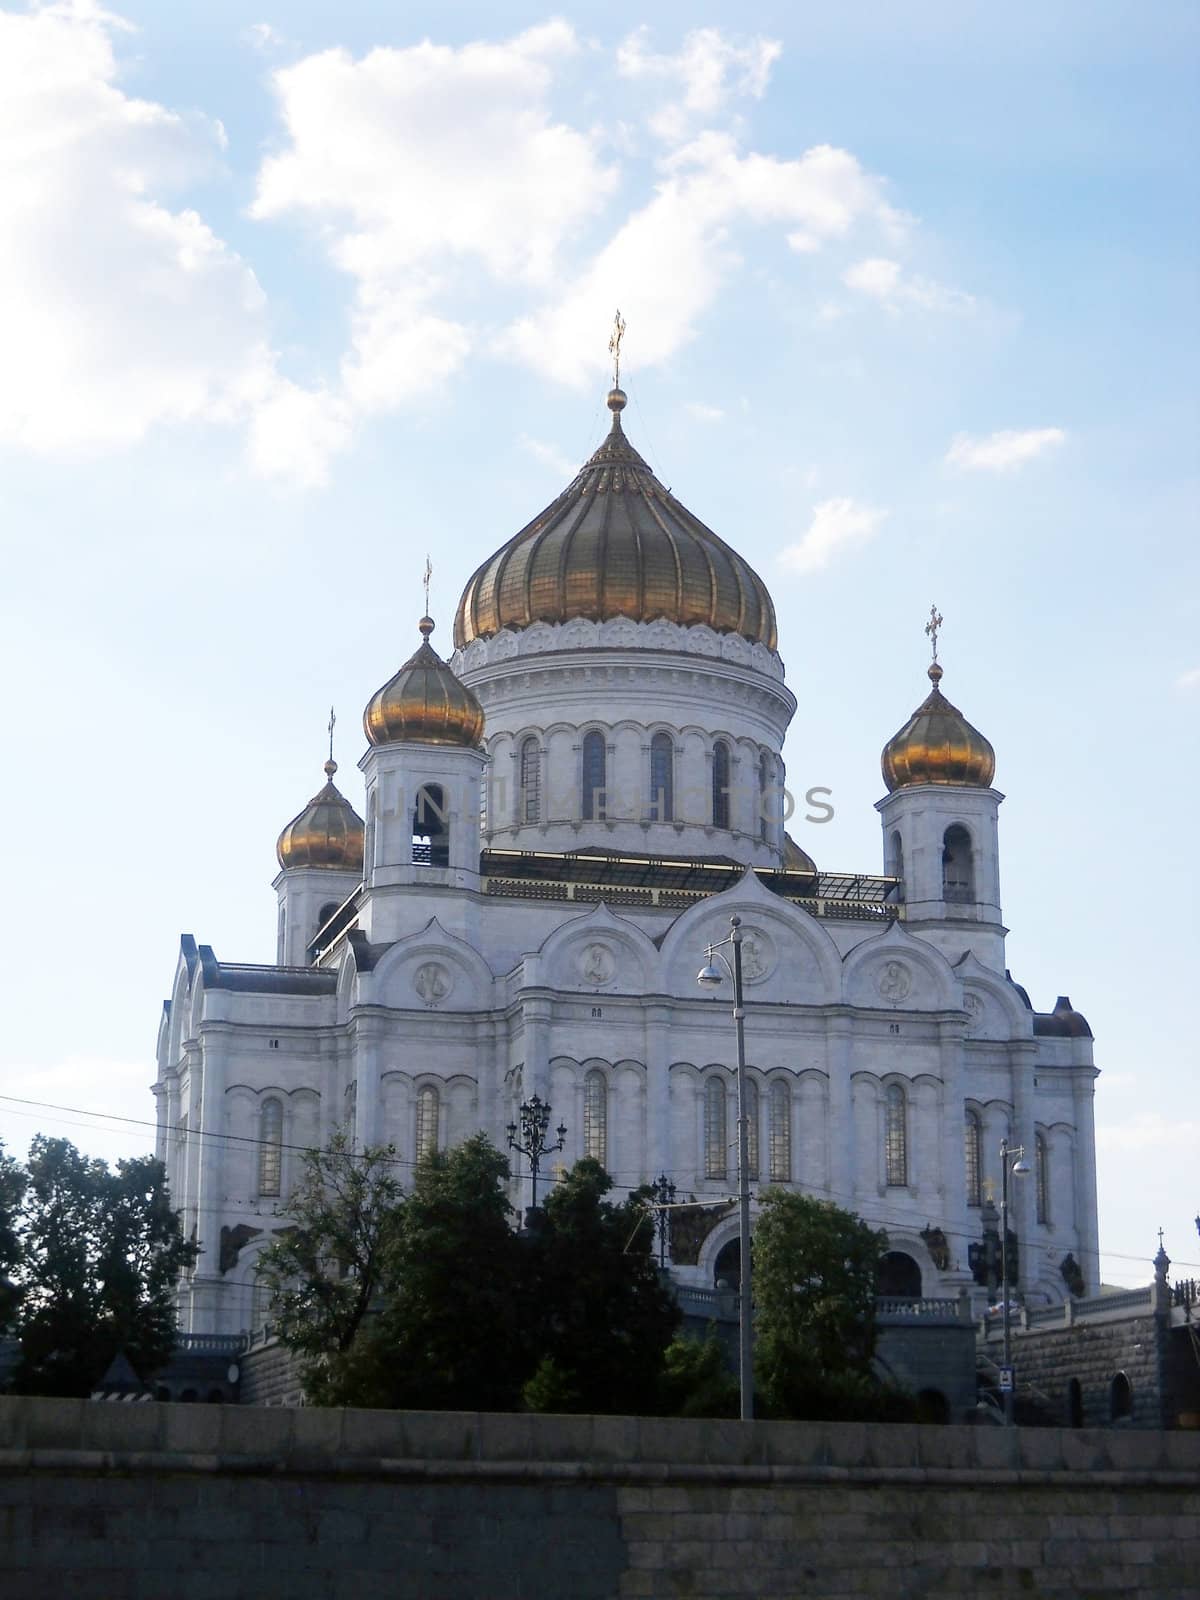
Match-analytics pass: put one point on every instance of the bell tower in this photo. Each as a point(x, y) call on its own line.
point(423, 769)
point(940, 823)
point(320, 854)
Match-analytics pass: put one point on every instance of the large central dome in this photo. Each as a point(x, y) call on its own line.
point(616, 544)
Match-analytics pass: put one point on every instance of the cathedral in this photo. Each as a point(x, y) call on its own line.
point(558, 818)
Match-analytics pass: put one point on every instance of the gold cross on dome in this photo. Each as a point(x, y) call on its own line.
point(614, 347)
point(932, 626)
point(332, 720)
point(428, 575)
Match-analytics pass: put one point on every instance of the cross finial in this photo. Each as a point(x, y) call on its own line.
point(614, 347)
point(932, 626)
point(428, 575)
point(332, 721)
point(1160, 1238)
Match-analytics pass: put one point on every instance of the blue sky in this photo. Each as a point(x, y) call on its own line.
point(289, 298)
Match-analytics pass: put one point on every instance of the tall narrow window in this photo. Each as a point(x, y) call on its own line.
point(781, 1133)
point(896, 857)
point(594, 758)
point(595, 1116)
point(752, 1107)
point(958, 865)
point(1041, 1164)
point(427, 1121)
point(529, 802)
point(662, 778)
point(973, 1157)
point(764, 797)
point(260, 1303)
point(431, 827)
point(895, 1142)
point(720, 785)
point(715, 1140)
point(270, 1147)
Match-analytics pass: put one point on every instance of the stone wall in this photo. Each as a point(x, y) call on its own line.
point(1093, 1353)
point(152, 1501)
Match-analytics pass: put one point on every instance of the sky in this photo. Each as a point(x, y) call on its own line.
point(291, 298)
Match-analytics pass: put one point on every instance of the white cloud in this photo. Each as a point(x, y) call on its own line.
point(666, 264)
point(703, 413)
point(262, 36)
point(549, 455)
point(837, 525)
point(1148, 1131)
point(999, 452)
point(709, 68)
point(1186, 681)
point(884, 280)
point(412, 159)
point(116, 312)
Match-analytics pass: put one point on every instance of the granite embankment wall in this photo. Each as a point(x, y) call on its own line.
point(221, 1502)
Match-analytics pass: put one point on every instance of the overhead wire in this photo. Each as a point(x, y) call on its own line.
point(185, 1135)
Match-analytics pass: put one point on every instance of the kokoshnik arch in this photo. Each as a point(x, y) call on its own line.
point(556, 822)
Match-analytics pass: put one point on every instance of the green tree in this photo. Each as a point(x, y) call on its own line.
point(448, 1335)
point(815, 1269)
point(330, 1267)
point(595, 1305)
point(13, 1183)
point(697, 1380)
point(102, 1253)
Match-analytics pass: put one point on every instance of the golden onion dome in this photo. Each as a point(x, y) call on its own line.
point(424, 703)
point(327, 833)
point(616, 544)
point(937, 745)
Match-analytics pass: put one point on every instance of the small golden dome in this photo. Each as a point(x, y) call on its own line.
point(424, 703)
point(616, 544)
point(327, 833)
point(937, 745)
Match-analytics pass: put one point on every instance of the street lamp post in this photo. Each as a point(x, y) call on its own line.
point(710, 977)
point(535, 1125)
point(1011, 1161)
point(664, 1195)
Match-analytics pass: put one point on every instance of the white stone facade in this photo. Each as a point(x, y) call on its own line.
point(883, 1036)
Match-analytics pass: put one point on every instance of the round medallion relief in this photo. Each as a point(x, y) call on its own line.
point(597, 965)
point(433, 982)
point(894, 982)
point(758, 955)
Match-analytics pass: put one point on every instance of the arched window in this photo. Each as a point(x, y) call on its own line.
point(764, 797)
point(715, 1139)
point(895, 864)
point(781, 1133)
point(752, 1104)
point(426, 1121)
point(1120, 1398)
point(529, 800)
point(594, 760)
point(662, 778)
point(973, 1155)
point(720, 785)
point(595, 1116)
point(899, 1275)
point(1074, 1404)
point(1041, 1167)
point(958, 865)
point(431, 827)
point(324, 914)
point(895, 1139)
point(270, 1147)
